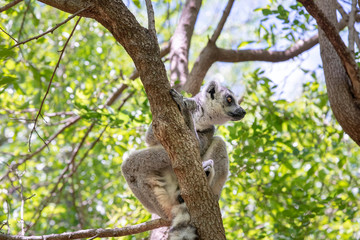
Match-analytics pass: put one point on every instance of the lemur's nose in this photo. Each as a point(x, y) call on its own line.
point(240, 112)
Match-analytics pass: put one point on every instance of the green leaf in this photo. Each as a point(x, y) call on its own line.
point(137, 3)
point(244, 43)
point(341, 163)
point(6, 80)
point(6, 52)
point(266, 11)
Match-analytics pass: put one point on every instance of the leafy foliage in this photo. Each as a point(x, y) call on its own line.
point(294, 174)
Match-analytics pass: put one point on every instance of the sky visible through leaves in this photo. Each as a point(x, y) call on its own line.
point(294, 174)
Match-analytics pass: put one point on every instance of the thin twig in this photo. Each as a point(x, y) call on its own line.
point(51, 30)
point(222, 21)
point(9, 5)
point(19, 176)
point(23, 19)
point(75, 198)
point(58, 123)
point(37, 133)
point(34, 110)
point(96, 235)
point(116, 94)
point(3, 224)
point(30, 197)
point(151, 18)
point(8, 214)
point(125, 100)
point(14, 166)
point(7, 153)
point(87, 152)
point(8, 34)
point(61, 177)
point(51, 79)
point(352, 31)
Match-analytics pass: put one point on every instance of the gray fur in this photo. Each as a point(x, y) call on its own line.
point(148, 172)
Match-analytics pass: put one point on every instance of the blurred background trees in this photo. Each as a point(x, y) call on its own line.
point(294, 172)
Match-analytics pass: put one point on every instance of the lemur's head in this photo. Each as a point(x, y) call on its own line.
point(221, 104)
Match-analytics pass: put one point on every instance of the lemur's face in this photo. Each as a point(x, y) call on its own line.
point(222, 105)
point(231, 107)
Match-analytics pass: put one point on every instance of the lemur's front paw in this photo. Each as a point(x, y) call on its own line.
point(209, 170)
point(178, 98)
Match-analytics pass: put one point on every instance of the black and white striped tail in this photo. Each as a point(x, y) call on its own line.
point(180, 227)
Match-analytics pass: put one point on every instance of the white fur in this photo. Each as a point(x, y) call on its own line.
point(165, 189)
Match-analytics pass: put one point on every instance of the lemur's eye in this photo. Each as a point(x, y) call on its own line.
point(229, 99)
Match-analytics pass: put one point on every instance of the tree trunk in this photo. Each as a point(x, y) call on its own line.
point(342, 102)
point(169, 126)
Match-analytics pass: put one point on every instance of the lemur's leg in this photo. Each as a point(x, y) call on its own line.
point(150, 138)
point(154, 183)
point(143, 171)
point(217, 152)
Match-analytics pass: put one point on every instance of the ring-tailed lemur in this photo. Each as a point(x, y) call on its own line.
point(149, 174)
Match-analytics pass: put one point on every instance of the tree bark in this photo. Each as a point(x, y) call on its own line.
point(169, 126)
point(93, 233)
point(180, 43)
point(343, 104)
point(333, 36)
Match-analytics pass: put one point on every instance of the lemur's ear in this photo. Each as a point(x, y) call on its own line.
point(212, 88)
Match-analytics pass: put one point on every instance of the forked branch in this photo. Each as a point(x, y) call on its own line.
point(211, 54)
point(180, 43)
point(338, 44)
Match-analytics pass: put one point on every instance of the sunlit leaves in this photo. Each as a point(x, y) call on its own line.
point(293, 172)
point(284, 19)
point(286, 161)
point(92, 68)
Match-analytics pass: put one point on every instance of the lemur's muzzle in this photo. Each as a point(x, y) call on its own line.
point(238, 114)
